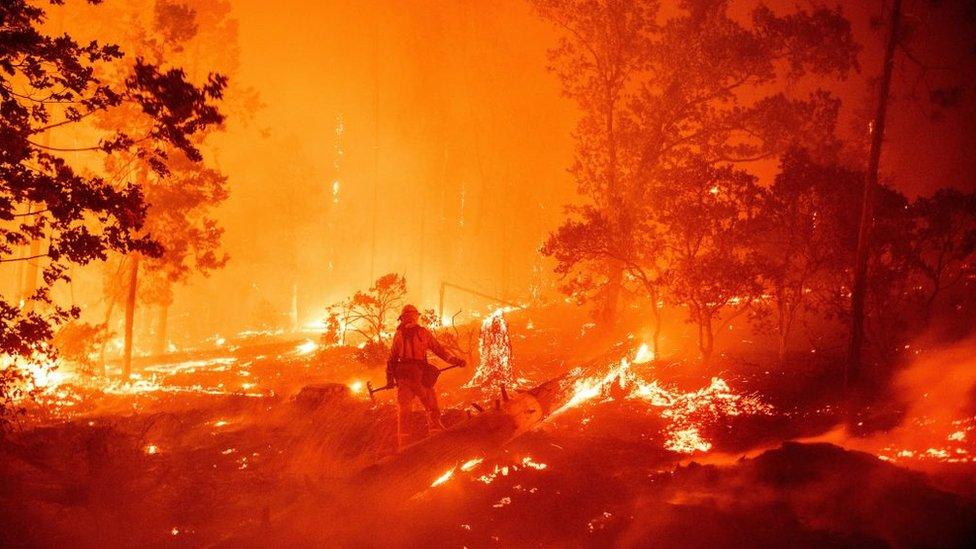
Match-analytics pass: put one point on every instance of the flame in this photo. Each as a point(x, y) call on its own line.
point(686, 411)
point(471, 464)
point(356, 387)
point(151, 449)
point(644, 354)
point(495, 365)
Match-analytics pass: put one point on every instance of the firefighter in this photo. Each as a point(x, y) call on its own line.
point(408, 370)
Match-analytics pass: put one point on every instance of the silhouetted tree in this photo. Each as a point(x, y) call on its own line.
point(708, 233)
point(366, 312)
point(583, 243)
point(701, 87)
point(805, 238)
point(859, 288)
point(943, 241)
point(597, 61)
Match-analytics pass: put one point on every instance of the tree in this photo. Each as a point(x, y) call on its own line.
point(582, 243)
point(597, 62)
point(805, 237)
point(180, 213)
point(180, 197)
point(47, 83)
point(699, 87)
point(366, 312)
point(708, 232)
point(890, 303)
point(859, 287)
point(943, 241)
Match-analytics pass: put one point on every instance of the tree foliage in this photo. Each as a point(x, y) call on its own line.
point(664, 98)
point(52, 82)
point(366, 313)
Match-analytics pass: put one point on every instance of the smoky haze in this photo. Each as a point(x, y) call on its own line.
point(451, 149)
point(427, 138)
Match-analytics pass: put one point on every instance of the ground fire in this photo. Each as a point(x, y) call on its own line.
point(561, 273)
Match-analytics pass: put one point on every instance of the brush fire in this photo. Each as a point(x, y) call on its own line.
point(561, 273)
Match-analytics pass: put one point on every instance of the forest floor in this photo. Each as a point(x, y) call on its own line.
point(216, 448)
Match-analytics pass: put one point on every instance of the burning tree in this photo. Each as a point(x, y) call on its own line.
point(495, 357)
point(51, 83)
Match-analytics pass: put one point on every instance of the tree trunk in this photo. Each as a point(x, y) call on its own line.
point(709, 341)
point(782, 326)
point(859, 288)
point(705, 338)
point(657, 324)
point(130, 311)
point(160, 346)
point(612, 295)
point(110, 307)
point(30, 275)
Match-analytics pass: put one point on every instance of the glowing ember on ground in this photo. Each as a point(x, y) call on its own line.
point(471, 464)
point(687, 441)
point(527, 462)
point(151, 449)
point(443, 478)
point(929, 442)
point(503, 502)
point(686, 411)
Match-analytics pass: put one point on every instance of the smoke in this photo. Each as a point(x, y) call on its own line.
point(940, 384)
point(938, 390)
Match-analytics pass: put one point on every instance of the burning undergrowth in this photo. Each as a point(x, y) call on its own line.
point(598, 452)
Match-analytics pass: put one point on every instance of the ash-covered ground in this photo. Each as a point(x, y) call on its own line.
point(222, 448)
